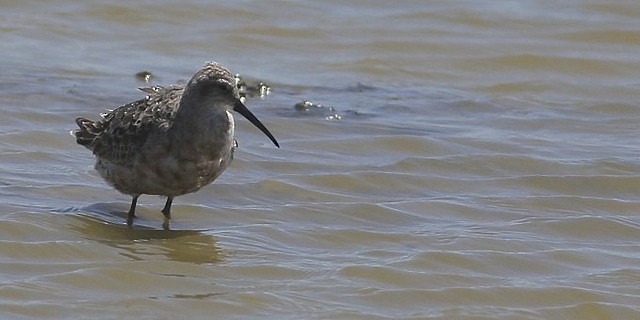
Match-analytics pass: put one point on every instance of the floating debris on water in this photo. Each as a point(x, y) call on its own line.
point(144, 76)
point(317, 109)
point(308, 105)
point(250, 90)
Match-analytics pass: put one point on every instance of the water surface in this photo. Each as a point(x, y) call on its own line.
point(462, 159)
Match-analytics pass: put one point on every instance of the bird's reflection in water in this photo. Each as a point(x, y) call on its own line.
point(106, 223)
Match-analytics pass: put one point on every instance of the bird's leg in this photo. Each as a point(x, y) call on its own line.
point(165, 225)
point(167, 213)
point(132, 210)
point(167, 208)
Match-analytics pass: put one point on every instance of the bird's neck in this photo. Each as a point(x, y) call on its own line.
point(206, 126)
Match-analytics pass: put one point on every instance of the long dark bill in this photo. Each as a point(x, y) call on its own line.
point(240, 108)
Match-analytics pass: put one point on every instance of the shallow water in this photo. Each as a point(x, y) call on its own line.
point(463, 159)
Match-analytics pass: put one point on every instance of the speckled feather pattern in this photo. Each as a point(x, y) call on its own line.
point(121, 132)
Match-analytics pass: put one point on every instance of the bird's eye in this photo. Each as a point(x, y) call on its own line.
point(222, 87)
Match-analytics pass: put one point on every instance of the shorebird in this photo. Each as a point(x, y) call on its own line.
point(175, 141)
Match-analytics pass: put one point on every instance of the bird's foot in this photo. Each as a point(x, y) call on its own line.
point(165, 225)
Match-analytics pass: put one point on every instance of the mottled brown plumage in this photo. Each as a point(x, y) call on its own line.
point(174, 141)
point(125, 129)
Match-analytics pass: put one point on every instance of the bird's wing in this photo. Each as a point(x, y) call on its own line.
point(120, 132)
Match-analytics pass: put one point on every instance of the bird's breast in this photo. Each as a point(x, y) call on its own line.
point(206, 149)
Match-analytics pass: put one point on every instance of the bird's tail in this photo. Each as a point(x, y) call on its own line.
point(87, 132)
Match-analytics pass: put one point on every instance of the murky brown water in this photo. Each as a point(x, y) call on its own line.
point(485, 164)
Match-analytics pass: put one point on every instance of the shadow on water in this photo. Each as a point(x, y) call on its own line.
point(106, 224)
